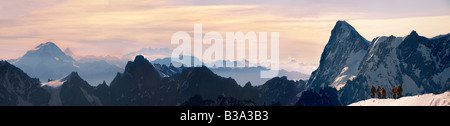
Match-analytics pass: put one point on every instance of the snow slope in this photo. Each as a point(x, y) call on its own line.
point(55, 83)
point(350, 70)
point(418, 100)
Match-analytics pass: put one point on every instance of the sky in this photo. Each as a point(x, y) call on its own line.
point(119, 27)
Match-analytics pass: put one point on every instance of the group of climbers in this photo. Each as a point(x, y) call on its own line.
point(382, 93)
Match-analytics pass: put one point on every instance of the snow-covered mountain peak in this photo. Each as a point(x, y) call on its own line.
point(47, 44)
point(46, 51)
point(344, 26)
point(341, 57)
point(345, 37)
point(68, 52)
point(46, 61)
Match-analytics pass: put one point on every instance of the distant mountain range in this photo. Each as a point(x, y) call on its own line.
point(241, 74)
point(140, 84)
point(48, 62)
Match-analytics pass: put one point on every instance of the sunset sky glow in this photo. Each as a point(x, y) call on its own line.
point(118, 27)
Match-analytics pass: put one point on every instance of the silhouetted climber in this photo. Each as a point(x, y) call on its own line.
point(400, 90)
point(372, 92)
point(381, 93)
point(384, 92)
point(394, 92)
point(378, 91)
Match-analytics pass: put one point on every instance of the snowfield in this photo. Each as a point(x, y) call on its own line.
point(418, 100)
point(54, 83)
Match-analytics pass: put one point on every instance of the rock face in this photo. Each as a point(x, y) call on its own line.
point(280, 90)
point(165, 71)
point(141, 84)
point(136, 85)
point(72, 90)
point(322, 97)
point(77, 92)
point(18, 89)
point(340, 59)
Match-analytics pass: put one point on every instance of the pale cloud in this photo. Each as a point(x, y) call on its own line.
point(149, 53)
point(425, 26)
point(298, 65)
point(20, 8)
